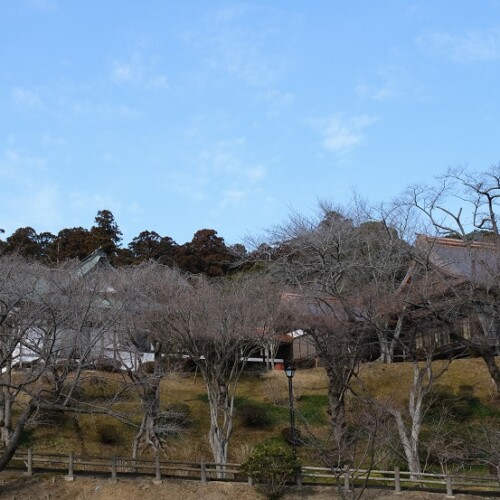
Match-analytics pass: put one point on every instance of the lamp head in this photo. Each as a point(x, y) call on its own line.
point(290, 371)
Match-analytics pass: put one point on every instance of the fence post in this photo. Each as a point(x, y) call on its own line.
point(203, 471)
point(157, 479)
point(250, 481)
point(449, 487)
point(29, 465)
point(298, 478)
point(71, 469)
point(397, 480)
point(347, 481)
point(114, 475)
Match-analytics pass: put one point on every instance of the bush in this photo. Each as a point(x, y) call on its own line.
point(173, 420)
point(286, 434)
point(254, 416)
point(108, 365)
point(148, 367)
point(271, 466)
point(178, 414)
point(107, 434)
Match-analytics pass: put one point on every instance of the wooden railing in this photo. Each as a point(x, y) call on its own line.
point(346, 479)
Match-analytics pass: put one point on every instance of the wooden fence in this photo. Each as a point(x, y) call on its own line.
point(347, 479)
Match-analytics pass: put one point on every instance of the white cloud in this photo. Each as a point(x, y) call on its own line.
point(31, 198)
point(231, 197)
point(275, 100)
point(383, 93)
point(83, 108)
point(228, 44)
point(52, 141)
point(473, 46)
point(343, 134)
point(44, 4)
point(136, 72)
point(26, 99)
point(222, 172)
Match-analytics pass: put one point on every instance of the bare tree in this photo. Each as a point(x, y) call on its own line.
point(219, 325)
point(426, 333)
point(464, 206)
point(153, 291)
point(343, 265)
point(51, 321)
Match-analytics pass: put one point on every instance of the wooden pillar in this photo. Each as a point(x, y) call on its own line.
point(449, 487)
point(298, 478)
point(29, 465)
point(203, 471)
point(71, 469)
point(114, 474)
point(347, 480)
point(157, 469)
point(397, 480)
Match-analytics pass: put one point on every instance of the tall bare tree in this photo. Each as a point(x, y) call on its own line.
point(343, 264)
point(219, 324)
point(51, 321)
point(465, 206)
point(155, 290)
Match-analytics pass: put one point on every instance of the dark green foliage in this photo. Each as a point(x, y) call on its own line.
point(178, 414)
point(108, 434)
point(271, 466)
point(254, 416)
point(206, 253)
point(459, 406)
point(148, 367)
point(107, 365)
point(286, 434)
point(313, 409)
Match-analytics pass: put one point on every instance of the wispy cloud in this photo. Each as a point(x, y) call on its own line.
point(473, 46)
point(222, 173)
point(32, 199)
point(275, 100)
point(26, 99)
point(342, 134)
point(44, 4)
point(381, 93)
point(91, 108)
point(238, 40)
point(135, 71)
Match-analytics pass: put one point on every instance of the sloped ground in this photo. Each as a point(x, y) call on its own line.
point(48, 486)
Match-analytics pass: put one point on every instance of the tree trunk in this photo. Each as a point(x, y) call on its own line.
point(221, 424)
point(6, 406)
point(15, 437)
point(410, 445)
point(494, 370)
point(336, 406)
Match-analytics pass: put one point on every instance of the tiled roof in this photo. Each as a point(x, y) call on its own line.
point(475, 261)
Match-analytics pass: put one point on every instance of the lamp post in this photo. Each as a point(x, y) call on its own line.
point(290, 372)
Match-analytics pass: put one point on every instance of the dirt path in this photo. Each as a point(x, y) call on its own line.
point(14, 485)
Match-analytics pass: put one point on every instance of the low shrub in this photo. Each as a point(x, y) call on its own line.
point(286, 434)
point(178, 413)
point(148, 367)
point(271, 466)
point(254, 416)
point(173, 420)
point(107, 434)
point(108, 365)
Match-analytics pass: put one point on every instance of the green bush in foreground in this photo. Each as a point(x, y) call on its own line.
point(271, 466)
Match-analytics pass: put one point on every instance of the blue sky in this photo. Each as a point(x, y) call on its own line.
point(178, 116)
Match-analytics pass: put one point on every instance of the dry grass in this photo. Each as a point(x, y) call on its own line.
point(382, 381)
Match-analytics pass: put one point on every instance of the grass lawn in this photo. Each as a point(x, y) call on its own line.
point(100, 435)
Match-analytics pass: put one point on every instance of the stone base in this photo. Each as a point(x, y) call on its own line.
point(69, 478)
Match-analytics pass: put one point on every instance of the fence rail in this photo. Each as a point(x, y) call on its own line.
point(203, 471)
